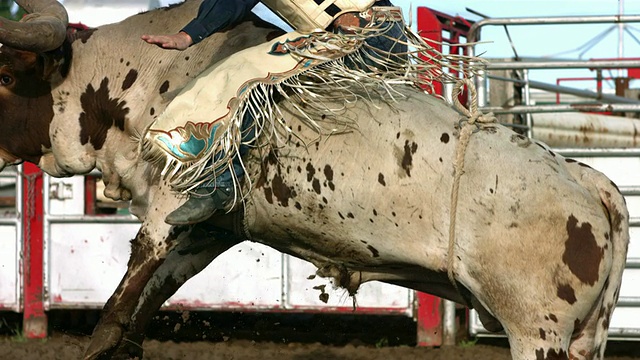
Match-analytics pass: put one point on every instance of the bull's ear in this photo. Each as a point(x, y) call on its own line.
point(55, 63)
point(47, 65)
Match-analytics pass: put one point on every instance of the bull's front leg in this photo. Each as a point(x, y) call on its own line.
point(156, 270)
point(148, 251)
point(187, 259)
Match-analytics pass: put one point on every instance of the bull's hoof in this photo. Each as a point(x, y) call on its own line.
point(104, 341)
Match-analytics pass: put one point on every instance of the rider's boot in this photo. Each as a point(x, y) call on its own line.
point(201, 205)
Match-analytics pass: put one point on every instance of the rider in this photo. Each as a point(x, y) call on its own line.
point(204, 131)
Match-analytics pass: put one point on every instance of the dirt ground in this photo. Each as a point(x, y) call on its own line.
point(268, 337)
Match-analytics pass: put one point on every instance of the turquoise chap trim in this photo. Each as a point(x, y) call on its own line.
point(193, 146)
point(196, 147)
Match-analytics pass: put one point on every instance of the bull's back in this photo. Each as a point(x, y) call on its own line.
point(390, 182)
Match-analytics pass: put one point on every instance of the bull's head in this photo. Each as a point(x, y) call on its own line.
point(24, 86)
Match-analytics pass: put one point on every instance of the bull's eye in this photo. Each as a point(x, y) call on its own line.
point(5, 80)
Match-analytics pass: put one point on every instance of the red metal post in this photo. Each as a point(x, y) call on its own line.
point(429, 319)
point(35, 319)
point(430, 28)
point(90, 195)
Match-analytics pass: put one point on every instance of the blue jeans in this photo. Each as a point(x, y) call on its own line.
point(225, 179)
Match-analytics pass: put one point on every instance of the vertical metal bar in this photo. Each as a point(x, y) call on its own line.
point(46, 235)
point(620, 35)
point(19, 238)
point(449, 328)
point(599, 83)
point(527, 101)
point(482, 89)
point(34, 318)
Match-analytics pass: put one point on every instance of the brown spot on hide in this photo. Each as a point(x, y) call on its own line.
point(311, 171)
point(131, 77)
point(164, 87)
point(553, 318)
point(407, 158)
point(268, 195)
point(272, 158)
point(520, 140)
point(566, 293)
point(616, 218)
point(328, 173)
point(152, 111)
point(99, 114)
point(543, 334)
point(577, 328)
point(281, 191)
point(316, 186)
point(582, 254)
point(83, 35)
point(444, 138)
point(552, 354)
point(374, 251)
point(381, 179)
point(570, 161)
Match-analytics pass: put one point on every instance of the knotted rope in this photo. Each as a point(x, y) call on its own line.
point(474, 121)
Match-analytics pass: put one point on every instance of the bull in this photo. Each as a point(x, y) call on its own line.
point(538, 249)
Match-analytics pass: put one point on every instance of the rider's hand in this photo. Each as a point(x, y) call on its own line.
point(179, 41)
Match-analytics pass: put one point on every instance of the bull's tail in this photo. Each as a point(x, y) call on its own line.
point(616, 207)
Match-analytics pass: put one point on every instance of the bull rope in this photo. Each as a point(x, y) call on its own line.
point(474, 121)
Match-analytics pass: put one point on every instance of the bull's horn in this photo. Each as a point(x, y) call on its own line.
point(43, 29)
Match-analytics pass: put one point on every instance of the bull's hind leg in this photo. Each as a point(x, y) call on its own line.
point(583, 344)
point(550, 342)
point(590, 335)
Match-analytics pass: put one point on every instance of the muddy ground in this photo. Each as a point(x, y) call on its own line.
point(196, 336)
